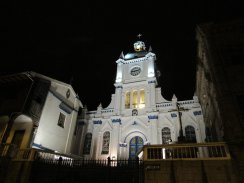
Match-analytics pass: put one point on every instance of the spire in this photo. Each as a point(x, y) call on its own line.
point(195, 98)
point(100, 106)
point(174, 97)
point(99, 109)
point(174, 101)
point(122, 55)
point(150, 49)
point(139, 36)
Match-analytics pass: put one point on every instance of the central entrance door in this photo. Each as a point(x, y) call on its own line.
point(136, 143)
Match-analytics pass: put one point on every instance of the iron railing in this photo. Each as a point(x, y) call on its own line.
point(191, 151)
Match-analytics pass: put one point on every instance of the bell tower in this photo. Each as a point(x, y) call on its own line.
point(138, 114)
point(136, 79)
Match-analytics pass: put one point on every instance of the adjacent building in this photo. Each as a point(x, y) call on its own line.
point(38, 112)
point(220, 85)
point(138, 114)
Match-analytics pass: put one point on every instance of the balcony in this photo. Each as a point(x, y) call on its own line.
point(191, 151)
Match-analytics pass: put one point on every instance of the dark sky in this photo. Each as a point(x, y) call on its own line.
point(83, 41)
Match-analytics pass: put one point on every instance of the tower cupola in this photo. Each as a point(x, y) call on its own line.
point(139, 46)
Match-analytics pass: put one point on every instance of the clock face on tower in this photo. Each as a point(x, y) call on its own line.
point(135, 71)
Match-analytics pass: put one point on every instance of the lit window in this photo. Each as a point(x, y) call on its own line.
point(61, 120)
point(87, 143)
point(142, 99)
point(106, 139)
point(135, 99)
point(127, 100)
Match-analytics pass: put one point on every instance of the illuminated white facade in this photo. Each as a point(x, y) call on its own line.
point(138, 114)
point(55, 130)
point(47, 117)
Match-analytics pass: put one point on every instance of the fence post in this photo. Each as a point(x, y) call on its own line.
point(108, 179)
point(137, 162)
point(109, 161)
point(60, 159)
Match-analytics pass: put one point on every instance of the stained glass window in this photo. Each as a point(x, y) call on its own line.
point(166, 135)
point(87, 144)
point(106, 140)
point(190, 134)
point(136, 143)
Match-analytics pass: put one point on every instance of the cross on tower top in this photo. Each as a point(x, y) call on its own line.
point(139, 36)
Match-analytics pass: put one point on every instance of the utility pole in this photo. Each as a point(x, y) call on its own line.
point(181, 138)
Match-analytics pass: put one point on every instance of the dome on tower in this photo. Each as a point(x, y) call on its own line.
point(139, 46)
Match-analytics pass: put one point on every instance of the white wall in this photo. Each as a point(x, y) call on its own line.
point(49, 134)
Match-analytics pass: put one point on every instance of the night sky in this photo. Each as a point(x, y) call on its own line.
point(79, 43)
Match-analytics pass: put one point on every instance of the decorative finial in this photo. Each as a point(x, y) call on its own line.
point(174, 97)
point(122, 55)
point(139, 36)
point(150, 49)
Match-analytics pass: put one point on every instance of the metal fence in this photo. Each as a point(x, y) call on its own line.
point(54, 167)
point(43, 166)
point(87, 170)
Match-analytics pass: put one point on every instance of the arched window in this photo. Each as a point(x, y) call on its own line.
point(127, 100)
point(190, 134)
point(87, 144)
point(135, 99)
point(166, 135)
point(106, 140)
point(142, 99)
point(136, 144)
point(134, 112)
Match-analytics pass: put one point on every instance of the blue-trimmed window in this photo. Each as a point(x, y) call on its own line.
point(87, 144)
point(106, 140)
point(136, 144)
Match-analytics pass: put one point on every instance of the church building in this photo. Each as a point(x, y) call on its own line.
point(138, 114)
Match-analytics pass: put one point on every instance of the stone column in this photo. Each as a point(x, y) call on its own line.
point(122, 106)
point(153, 120)
point(118, 97)
point(131, 98)
point(115, 137)
point(152, 94)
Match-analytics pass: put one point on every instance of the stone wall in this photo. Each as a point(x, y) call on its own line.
point(215, 171)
